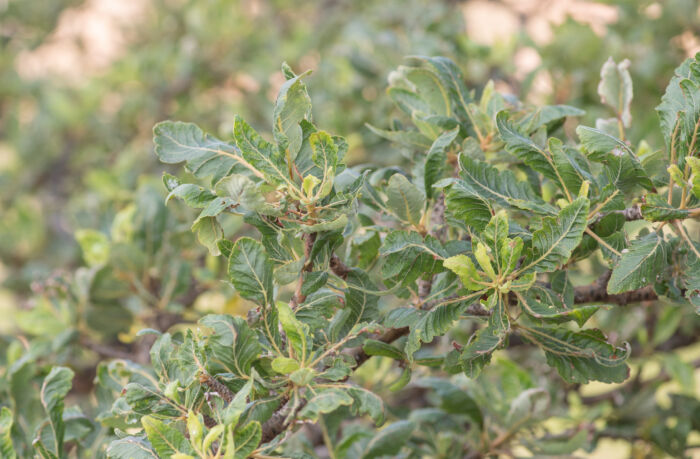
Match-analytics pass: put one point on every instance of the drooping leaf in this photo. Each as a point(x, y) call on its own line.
point(583, 356)
point(639, 265)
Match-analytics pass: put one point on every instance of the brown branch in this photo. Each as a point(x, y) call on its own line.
point(217, 386)
point(631, 214)
point(597, 293)
point(438, 230)
point(631, 387)
point(277, 422)
point(104, 350)
point(309, 240)
point(338, 267)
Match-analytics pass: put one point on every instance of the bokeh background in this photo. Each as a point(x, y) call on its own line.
point(82, 82)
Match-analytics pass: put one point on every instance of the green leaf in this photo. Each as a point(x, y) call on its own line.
point(147, 400)
point(522, 146)
point(53, 392)
point(547, 115)
point(410, 256)
point(7, 450)
point(213, 435)
point(325, 402)
point(436, 160)
point(543, 303)
point(695, 175)
point(465, 269)
point(325, 156)
point(195, 427)
point(428, 86)
point(615, 88)
point(245, 440)
point(452, 79)
point(209, 233)
point(233, 343)
point(250, 271)
point(234, 410)
point(572, 166)
point(409, 139)
point(360, 304)
point(259, 153)
point(165, 439)
point(374, 347)
point(404, 199)
point(465, 205)
point(656, 208)
point(389, 440)
point(95, 246)
point(296, 331)
point(204, 154)
point(552, 245)
point(293, 105)
point(242, 195)
point(477, 353)
point(679, 106)
point(435, 322)
point(581, 357)
point(502, 187)
point(366, 402)
point(639, 264)
point(622, 167)
point(130, 448)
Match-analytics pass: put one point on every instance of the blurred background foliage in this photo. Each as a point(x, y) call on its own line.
point(82, 82)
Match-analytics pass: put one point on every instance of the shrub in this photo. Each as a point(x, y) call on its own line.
point(495, 232)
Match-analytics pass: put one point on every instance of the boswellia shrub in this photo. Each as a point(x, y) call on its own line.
point(454, 305)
